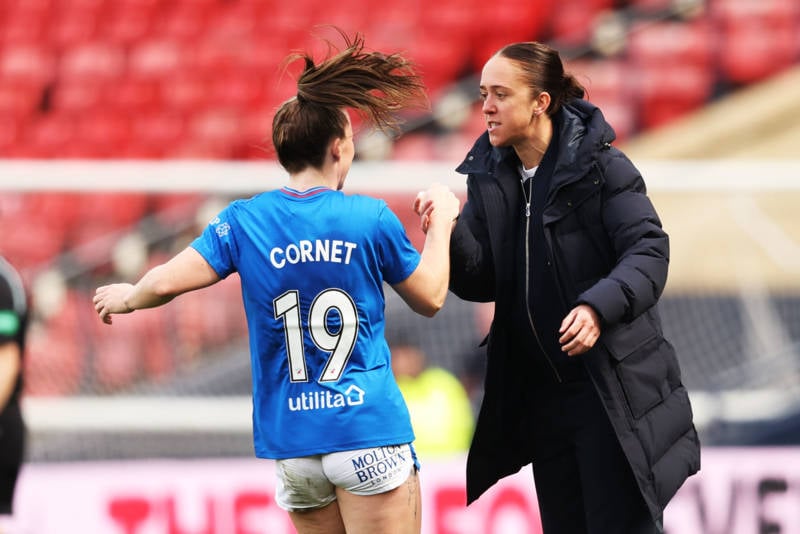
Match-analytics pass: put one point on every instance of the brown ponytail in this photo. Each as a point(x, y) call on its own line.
point(374, 84)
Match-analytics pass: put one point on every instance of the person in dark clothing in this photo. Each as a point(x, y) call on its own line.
point(13, 324)
point(559, 233)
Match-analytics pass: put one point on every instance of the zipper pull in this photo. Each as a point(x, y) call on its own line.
point(528, 209)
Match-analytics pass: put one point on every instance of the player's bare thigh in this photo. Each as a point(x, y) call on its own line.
point(325, 520)
point(398, 511)
point(394, 512)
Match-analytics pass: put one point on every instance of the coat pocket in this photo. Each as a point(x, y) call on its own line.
point(640, 365)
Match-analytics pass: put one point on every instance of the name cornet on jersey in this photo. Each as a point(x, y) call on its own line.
point(305, 250)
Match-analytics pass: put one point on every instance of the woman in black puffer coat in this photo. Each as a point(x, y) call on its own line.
point(559, 232)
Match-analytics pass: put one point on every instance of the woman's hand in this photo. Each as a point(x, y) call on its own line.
point(439, 202)
point(580, 330)
point(111, 299)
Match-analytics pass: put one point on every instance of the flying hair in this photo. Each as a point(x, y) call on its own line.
point(373, 83)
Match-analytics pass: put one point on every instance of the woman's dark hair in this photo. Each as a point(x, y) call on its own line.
point(374, 84)
point(543, 71)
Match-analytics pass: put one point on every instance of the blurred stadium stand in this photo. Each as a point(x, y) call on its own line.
point(149, 79)
point(199, 79)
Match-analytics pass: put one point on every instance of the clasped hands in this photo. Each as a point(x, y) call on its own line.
point(437, 202)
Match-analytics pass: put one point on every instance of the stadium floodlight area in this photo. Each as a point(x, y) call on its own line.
point(731, 306)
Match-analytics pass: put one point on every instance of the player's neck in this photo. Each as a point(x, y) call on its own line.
point(309, 178)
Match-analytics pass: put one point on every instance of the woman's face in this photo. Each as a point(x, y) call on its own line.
point(508, 103)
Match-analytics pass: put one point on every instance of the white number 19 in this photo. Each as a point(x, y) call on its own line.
point(339, 344)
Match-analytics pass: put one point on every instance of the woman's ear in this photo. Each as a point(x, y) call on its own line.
point(542, 103)
point(336, 149)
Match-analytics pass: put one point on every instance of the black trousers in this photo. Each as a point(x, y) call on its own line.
point(583, 481)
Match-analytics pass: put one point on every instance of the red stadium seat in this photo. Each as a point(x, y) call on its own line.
point(61, 210)
point(176, 209)
point(136, 150)
point(201, 149)
point(185, 21)
point(157, 131)
point(104, 218)
point(769, 12)
point(27, 63)
point(125, 24)
point(156, 58)
point(460, 21)
point(19, 100)
point(30, 245)
point(264, 55)
point(47, 136)
point(667, 92)
point(184, 92)
point(601, 78)
point(79, 96)
point(573, 22)
point(24, 22)
point(215, 126)
point(349, 15)
point(234, 21)
point(10, 134)
point(72, 24)
point(238, 89)
point(620, 114)
point(439, 58)
point(132, 96)
point(105, 131)
point(758, 37)
point(94, 60)
point(255, 139)
point(210, 56)
point(673, 42)
point(747, 56)
point(112, 210)
point(83, 5)
point(517, 20)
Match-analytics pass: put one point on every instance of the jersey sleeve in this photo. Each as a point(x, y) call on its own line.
point(398, 255)
point(217, 243)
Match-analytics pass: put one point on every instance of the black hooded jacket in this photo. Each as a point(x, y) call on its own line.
point(606, 248)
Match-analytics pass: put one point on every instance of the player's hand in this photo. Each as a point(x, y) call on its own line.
point(422, 207)
point(110, 299)
point(579, 330)
point(437, 202)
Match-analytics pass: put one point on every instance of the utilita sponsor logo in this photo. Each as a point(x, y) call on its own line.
point(320, 400)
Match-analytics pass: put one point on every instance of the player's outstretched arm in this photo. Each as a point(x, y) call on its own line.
point(425, 289)
point(187, 271)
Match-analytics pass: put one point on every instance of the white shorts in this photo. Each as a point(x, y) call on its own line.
point(311, 481)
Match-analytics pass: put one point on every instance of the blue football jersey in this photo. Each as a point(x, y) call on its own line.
point(312, 266)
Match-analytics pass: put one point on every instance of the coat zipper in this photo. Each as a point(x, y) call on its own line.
point(528, 252)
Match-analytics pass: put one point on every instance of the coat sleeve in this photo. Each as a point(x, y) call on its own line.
point(641, 247)
point(471, 269)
